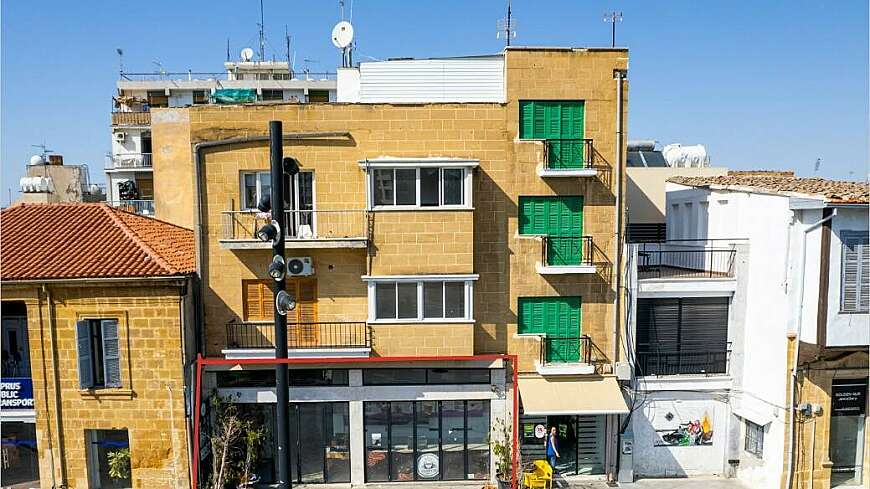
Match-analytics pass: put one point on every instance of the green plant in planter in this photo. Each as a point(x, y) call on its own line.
point(500, 441)
point(119, 463)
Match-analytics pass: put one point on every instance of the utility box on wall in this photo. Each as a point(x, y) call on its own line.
point(626, 460)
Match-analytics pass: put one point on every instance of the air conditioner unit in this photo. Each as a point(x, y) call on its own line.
point(120, 136)
point(300, 266)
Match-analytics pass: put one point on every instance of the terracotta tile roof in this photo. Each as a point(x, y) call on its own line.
point(833, 191)
point(63, 241)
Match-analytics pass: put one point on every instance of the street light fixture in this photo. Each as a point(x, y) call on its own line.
point(284, 302)
point(278, 268)
point(269, 232)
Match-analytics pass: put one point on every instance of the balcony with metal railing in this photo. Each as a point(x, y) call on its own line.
point(129, 161)
point(562, 255)
point(686, 259)
point(575, 355)
point(568, 158)
point(320, 339)
point(688, 359)
point(138, 206)
point(302, 229)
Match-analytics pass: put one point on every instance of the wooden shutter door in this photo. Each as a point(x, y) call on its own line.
point(257, 300)
point(305, 332)
point(83, 345)
point(111, 353)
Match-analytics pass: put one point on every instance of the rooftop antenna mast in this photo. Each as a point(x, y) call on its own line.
point(506, 27)
point(262, 35)
point(342, 37)
point(44, 149)
point(287, 50)
point(228, 49)
point(613, 18)
point(120, 61)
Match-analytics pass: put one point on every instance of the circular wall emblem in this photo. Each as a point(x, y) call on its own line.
point(540, 431)
point(427, 465)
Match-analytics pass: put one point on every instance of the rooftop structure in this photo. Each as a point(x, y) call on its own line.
point(830, 191)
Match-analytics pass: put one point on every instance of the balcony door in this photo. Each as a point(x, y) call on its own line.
point(302, 327)
point(560, 219)
point(558, 319)
point(560, 123)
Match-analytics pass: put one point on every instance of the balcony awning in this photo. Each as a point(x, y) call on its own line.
point(543, 396)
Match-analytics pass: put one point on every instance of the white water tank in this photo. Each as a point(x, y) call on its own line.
point(30, 185)
point(691, 156)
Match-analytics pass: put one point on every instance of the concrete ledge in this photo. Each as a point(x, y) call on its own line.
point(686, 287)
point(564, 270)
point(564, 368)
point(578, 172)
point(687, 382)
point(245, 353)
point(295, 244)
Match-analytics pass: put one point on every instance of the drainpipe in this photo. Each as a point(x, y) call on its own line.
point(198, 150)
point(619, 76)
point(794, 363)
point(56, 378)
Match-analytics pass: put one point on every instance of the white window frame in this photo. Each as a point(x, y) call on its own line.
point(468, 280)
point(416, 164)
point(295, 181)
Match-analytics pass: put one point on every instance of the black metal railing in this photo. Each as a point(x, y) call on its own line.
point(710, 362)
point(562, 251)
point(568, 154)
point(556, 349)
point(685, 260)
point(311, 224)
point(241, 335)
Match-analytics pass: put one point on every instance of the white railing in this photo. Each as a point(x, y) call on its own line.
point(300, 225)
point(142, 207)
point(129, 160)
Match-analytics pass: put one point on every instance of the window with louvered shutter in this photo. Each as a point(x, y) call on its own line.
point(111, 353)
point(855, 272)
point(257, 300)
point(83, 346)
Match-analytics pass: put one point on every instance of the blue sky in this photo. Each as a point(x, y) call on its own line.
point(763, 84)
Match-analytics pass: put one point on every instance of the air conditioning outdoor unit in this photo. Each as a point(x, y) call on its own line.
point(120, 136)
point(300, 266)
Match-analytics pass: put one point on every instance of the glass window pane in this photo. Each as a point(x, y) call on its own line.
point(454, 299)
point(20, 457)
point(375, 417)
point(478, 439)
point(306, 190)
point(433, 299)
point(385, 300)
point(384, 189)
point(458, 376)
point(250, 191)
point(265, 185)
point(428, 186)
point(402, 441)
point(453, 186)
point(316, 377)
point(337, 425)
point(311, 443)
point(407, 300)
point(102, 444)
point(388, 376)
point(453, 439)
point(427, 441)
point(406, 187)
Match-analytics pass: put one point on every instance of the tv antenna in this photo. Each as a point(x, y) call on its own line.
point(44, 149)
point(817, 165)
point(613, 18)
point(506, 27)
point(159, 66)
point(120, 60)
point(307, 69)
point(262, 34)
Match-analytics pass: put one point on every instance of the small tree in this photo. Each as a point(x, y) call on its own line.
point(227, 431)
point(119, 463)
point(253, 440)
point(500, 441)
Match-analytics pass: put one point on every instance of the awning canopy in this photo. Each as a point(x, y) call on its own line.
point(754, 410)
point(542, 396)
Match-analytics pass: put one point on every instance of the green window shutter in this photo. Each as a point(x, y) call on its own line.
point(559, 215)
point(527, 118)
point(83, 347)
point(111, 353)
point(556, 317)
point(556, 120)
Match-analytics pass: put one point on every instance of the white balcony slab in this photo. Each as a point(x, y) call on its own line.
point(572, 172)
point(567, 368)
point(564, 270)
point(295, 244)
point(246, 353)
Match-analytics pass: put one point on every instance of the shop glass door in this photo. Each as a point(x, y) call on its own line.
point(848, 412)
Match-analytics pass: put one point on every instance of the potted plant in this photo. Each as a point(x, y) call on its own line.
point(500, 441)
point(119, 463)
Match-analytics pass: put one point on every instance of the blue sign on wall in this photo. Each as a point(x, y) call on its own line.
point(16, 393)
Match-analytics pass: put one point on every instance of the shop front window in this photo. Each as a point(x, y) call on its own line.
point(426, 440)
point(848, 412)
point(20, 458)
point(107, 451)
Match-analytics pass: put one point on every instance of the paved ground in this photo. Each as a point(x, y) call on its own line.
point(560, 483)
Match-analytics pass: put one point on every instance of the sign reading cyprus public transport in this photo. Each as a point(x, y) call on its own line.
point(16, 393)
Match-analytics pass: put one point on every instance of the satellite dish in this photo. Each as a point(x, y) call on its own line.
point(342, 34)
point(247, 54)
point(36, 160)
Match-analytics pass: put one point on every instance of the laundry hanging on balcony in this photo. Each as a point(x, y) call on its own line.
point(234, 96)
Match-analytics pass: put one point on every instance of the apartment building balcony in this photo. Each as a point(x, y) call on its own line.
point(141, 207)
point(576, 355)
point(568, 158)
point(129, 161)
point(320, 339)
point(706, 360)
point(564, 255)
point(138, 118)
point(302, 229)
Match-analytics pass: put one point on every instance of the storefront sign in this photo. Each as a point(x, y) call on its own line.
point(848, 399)
point(16, 393)
point(427, 466)
point(540, 431)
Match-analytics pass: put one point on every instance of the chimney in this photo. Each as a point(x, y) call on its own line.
point(55, 159)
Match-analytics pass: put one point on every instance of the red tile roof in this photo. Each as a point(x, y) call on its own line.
point(64, 241)
point(833, 191)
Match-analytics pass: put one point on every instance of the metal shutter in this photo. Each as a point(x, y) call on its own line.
point(855, 274)
point(111, 353)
